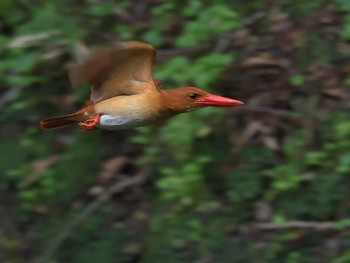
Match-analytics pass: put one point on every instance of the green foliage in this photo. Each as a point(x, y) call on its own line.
point(205, 239)
point(202, 72)
point(302, 8)
point(346, 30)
point(248, 175)
point(344, 6)
point(185, 185)
point(163, 14)
point(217, 18)
point(323, 188)
point(298, 80)
point(176, 69)
point(343, 258)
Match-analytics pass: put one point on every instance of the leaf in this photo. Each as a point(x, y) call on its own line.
point(207, 68)
point(298, 80)
point(216, 18)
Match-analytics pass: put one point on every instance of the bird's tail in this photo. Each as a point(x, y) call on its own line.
point(60, 121)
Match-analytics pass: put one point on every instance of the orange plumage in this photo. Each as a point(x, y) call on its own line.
point(124, 94)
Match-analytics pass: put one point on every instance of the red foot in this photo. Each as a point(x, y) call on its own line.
point(91, 123)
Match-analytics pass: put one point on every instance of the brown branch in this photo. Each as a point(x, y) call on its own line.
point(10, 95)
point(312, 225)
point(269, 110)
point(89, 210)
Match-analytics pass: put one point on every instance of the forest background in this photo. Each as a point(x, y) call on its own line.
point(265, 182)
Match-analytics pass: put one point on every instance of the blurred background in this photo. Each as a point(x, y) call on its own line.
point(265, 182)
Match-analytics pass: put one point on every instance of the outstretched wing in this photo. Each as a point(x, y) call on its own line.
point(124, 68)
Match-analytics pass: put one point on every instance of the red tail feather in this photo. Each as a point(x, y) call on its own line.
point(59, 121)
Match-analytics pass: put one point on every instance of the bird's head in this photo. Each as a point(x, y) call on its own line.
point(192, 98)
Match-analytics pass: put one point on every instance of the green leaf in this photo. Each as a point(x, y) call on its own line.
point(212, 20)
point(208, 68)
point(316, 158)
point(177, 69)
point(298, 80)
point(343, 224)
point(345, 34)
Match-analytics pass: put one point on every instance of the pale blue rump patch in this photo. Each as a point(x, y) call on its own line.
point(109, 122)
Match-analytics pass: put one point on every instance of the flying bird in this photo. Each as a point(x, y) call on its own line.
point(124, 94)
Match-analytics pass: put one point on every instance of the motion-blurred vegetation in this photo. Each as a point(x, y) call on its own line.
point(267, 182)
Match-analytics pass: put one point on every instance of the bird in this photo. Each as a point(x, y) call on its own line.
point(124, 94)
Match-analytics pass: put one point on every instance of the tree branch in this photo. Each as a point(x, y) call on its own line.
point(312, 225)
point(90, 209)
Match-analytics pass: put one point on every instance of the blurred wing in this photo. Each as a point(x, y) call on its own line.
point(121, 69)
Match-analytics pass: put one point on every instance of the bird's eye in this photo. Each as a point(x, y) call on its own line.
point(193, 96)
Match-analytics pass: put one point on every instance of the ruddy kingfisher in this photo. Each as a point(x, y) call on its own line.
point(124, 94)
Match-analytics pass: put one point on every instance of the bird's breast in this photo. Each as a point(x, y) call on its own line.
point(125, 112)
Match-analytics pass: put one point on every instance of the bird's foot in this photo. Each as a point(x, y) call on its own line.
point(90, 124)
